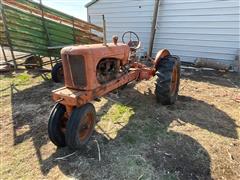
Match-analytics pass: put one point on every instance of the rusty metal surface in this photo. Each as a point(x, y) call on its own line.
point(77, 70)
point(71, 97)
point(92, 54)
point(146, 73)
point(161, 54)
point(92, 71)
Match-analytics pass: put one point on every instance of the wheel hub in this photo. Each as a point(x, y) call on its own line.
point(174, 80)
point(86, 127)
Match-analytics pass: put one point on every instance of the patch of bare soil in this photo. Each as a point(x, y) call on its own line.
point(197, 138)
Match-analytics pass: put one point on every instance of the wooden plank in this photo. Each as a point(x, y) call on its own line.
point(4, 43)
point(77, 22)
point(60, 43)
point(25, 30)
point(68, 30)
point(26, 33)
point(61, 34)
point(60, 39)
point(23, 24)
point(69, 23)
point(87, 40)
point(10, 11)
point(3, 39)
point(29, 49)
point(16, 42)
point(53, 14)
point(59, 27)
point(90, 36)
point(23, 37)
point(1, 28)
point(31, 4)
point(24, 19)
point(8, 35)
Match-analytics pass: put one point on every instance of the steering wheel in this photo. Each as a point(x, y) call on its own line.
point(133, 39)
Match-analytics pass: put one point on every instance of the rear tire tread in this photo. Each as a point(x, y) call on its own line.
point(164, 77)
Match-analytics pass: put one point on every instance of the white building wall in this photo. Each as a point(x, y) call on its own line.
point(188, 28)
point(199, 28)
point(124, 15)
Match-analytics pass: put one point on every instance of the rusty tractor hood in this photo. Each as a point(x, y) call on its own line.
point(120, 50)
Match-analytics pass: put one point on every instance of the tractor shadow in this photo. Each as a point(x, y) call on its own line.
point(148, 133)
point(30, 110)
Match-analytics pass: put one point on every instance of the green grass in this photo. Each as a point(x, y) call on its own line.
point(118, 113)
point(115, 118)
point(22, 79)
point(19, 81)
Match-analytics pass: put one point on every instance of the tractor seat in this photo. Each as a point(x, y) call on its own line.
point(134, 45)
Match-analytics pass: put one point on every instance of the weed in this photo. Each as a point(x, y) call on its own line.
point(22, 79)
point(118, 113)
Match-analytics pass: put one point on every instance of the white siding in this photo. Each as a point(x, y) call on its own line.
point(124, 15)
point(188, 28)
point(199, 28)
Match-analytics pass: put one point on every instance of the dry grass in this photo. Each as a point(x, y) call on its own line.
point(197, 138)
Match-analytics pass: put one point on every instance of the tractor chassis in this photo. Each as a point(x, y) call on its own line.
point(72, 98)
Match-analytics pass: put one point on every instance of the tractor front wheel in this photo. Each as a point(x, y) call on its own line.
point(57, 125)
point(80, 126)
point(168, 80)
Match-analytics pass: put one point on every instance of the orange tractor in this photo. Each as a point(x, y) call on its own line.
point(92, 71)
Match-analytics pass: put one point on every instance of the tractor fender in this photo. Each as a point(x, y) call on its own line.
point(160, 55)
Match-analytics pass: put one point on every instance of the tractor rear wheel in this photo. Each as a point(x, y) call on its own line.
point(57, 125)
point(80, 126)
point(168, 80)
point(57, 73)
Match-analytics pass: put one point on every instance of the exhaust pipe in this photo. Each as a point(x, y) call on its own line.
point(104, 31)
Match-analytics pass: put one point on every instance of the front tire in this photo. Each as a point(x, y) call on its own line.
point(168, 80)
point(80, 126)
point(57, 125)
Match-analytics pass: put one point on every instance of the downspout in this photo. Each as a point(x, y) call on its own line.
point(88, 16)
point(153, 30)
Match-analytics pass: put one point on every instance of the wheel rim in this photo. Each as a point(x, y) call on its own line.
point(174, 81)
point(86, 127)
point(63, 123)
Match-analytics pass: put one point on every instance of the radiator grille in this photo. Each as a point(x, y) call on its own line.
point(77, 66)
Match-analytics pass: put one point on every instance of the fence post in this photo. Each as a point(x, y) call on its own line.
point(8, 35)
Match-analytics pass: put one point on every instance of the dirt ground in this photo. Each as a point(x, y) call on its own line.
point(197, 138)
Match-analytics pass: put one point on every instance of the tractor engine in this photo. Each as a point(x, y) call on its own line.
point(87, 67)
